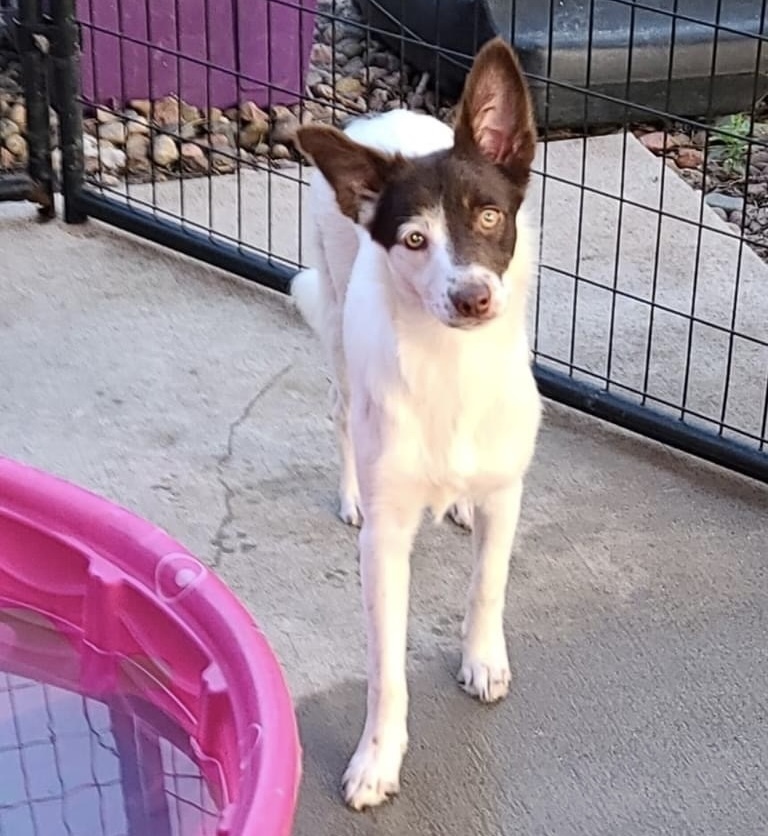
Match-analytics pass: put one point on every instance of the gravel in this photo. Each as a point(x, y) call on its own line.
point(731, 168)
point(12, 111)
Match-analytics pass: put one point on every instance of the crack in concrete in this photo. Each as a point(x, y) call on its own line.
point(226, 456)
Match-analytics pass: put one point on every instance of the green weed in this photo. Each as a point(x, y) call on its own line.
point(732, 135)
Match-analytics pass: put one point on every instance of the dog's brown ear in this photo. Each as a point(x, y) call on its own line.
point(495, 114)
point(357, 174)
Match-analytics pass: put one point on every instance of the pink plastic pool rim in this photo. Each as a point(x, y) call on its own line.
point(148, 617)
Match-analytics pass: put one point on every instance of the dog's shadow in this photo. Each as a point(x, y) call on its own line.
point(448, 787)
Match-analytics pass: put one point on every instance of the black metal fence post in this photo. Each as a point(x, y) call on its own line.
point(34, 65)
point(37, 184)
point(65, 57)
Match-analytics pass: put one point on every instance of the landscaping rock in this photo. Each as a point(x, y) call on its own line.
point(689, 158)
point(193, 157)
point(251, 134)
point(321, 54)
point(17, 145)
point(7, 129)
point(214, 114)
point(222, 153)
point(112, 159)
point(114, 132)
point(349, 86)
point(141, 106)
point(105, 115)
point(18, 113)
point(251, 112)
point(136, 123)
point(188, 113)
point(137, 148)
point(7, 160)
point(281, 152)
point(164, 150)
point(727, 202)
point(165, 112)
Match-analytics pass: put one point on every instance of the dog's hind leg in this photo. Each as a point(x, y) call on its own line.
point(332, 333)
point(462, 513)
point(349, 493)
point(484, 669)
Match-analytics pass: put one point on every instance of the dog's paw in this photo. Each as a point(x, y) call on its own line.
point(485, 675)
point(463, 514)
point(349, 510)
point(373, 774)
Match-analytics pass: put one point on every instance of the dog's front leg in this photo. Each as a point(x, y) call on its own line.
point(484, 669)
point(385, 544)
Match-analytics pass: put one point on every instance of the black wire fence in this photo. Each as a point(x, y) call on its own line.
point(176, 120)
point(74, 765)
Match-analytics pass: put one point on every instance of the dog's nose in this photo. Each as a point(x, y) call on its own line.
point(472, 300)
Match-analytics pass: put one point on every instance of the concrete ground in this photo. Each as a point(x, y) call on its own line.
point(636, 606)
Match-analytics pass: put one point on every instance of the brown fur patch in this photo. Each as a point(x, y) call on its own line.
point(462, 186)
point(355, 172)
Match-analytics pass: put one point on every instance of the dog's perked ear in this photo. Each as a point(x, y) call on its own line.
point(495, 114)
point(356, 173)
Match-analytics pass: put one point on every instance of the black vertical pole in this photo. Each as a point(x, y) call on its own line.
point(65, 53)
point(34, 67)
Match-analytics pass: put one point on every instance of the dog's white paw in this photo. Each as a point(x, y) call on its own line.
point(349, 510)
point(463, 514)
point(486, 675)
point(373, 774)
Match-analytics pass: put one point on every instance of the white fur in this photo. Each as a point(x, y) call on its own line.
point(427, 416)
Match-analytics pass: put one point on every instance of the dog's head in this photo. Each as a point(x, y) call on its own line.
point(447, 221)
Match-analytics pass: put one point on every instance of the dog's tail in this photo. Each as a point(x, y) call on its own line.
point(305, 290)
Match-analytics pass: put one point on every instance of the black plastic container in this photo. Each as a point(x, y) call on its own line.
point(586, 59)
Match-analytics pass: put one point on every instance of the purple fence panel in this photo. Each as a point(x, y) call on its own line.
point(209, 52)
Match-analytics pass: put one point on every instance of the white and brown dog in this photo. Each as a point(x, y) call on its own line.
point(424, 256)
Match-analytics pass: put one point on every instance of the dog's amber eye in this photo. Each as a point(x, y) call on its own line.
point(415, 241)
point(489, 217)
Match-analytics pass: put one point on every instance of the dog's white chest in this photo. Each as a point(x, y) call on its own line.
point(452, 416)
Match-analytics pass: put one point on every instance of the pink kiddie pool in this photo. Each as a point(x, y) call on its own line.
point(137, 696)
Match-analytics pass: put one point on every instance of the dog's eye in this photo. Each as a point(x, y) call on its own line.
point(415, 241)
point(489, 217)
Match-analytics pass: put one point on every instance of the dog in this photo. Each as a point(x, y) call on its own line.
point(424, 255)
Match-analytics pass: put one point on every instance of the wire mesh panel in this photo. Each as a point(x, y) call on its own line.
point(75, 765)
point(651, 186)
point(649, 285)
